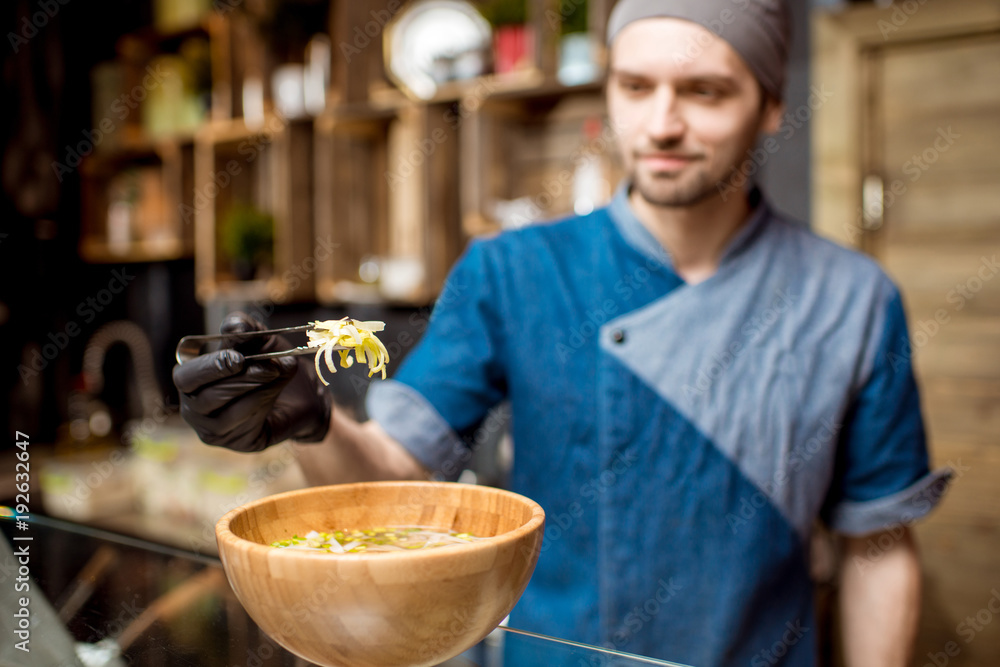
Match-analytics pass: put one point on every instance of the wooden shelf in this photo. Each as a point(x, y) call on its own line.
point(267, 168)
point(373, 173)
point(527, 147)
point(134, 202)
point(512, 83)
point(378, 177)
point(97, 251)
point(521, 85)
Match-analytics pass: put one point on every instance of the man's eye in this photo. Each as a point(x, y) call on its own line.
point(706, 92)
point(633, 86)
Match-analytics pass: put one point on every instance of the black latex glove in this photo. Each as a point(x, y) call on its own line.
point(250, 405)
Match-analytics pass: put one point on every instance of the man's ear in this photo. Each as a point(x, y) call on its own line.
point(772, 116)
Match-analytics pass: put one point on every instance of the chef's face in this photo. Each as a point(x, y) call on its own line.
point(686, 110)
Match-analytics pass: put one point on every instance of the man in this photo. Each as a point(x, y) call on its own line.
point(742, 378)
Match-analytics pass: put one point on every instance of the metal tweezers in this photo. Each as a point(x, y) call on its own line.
point(190, 347)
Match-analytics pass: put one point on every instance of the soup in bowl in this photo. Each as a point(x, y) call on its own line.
point(417, 605)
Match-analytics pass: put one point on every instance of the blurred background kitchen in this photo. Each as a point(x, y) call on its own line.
point(165, 162)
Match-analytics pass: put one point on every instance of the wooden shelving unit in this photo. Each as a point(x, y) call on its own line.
point(134, 201)
point(372, 199)
point(525, 151)
point(269, 169)
point(137, 181)
point(352, 209)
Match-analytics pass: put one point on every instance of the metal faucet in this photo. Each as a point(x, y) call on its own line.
point(135, 339)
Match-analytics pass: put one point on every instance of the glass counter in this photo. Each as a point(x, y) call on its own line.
point(114, 600)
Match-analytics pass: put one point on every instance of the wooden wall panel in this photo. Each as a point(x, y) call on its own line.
point(945, 147)
point(972, 62)
point(936, 108)
point(960, 277)
point(964, 202)
point(962, 410)
point(896, 93)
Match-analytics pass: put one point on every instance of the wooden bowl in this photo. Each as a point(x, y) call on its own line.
point(381, 609)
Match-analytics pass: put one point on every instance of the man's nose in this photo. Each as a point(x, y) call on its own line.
point(665, 122)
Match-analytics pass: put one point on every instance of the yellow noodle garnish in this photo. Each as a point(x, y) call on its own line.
point(356, 335)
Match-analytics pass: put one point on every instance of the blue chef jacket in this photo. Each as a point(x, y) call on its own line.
point(682, 439)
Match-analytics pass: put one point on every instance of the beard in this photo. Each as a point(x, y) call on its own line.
point(675, 189)
point(707, 175)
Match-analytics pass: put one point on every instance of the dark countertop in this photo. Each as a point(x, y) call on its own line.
point(162, 605)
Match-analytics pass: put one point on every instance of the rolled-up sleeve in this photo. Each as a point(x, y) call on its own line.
point(448, 383)
point(883, 477)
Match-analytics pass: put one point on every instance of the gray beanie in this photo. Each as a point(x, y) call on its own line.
point(758, 30)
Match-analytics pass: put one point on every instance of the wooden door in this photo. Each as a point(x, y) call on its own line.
point(935, 121)
point(914, 179)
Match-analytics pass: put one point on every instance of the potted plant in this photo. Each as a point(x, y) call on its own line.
point(578, 51)
point(513, 39)
point(247, 239)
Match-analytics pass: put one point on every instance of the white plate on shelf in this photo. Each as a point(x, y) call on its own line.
point(434, 41)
